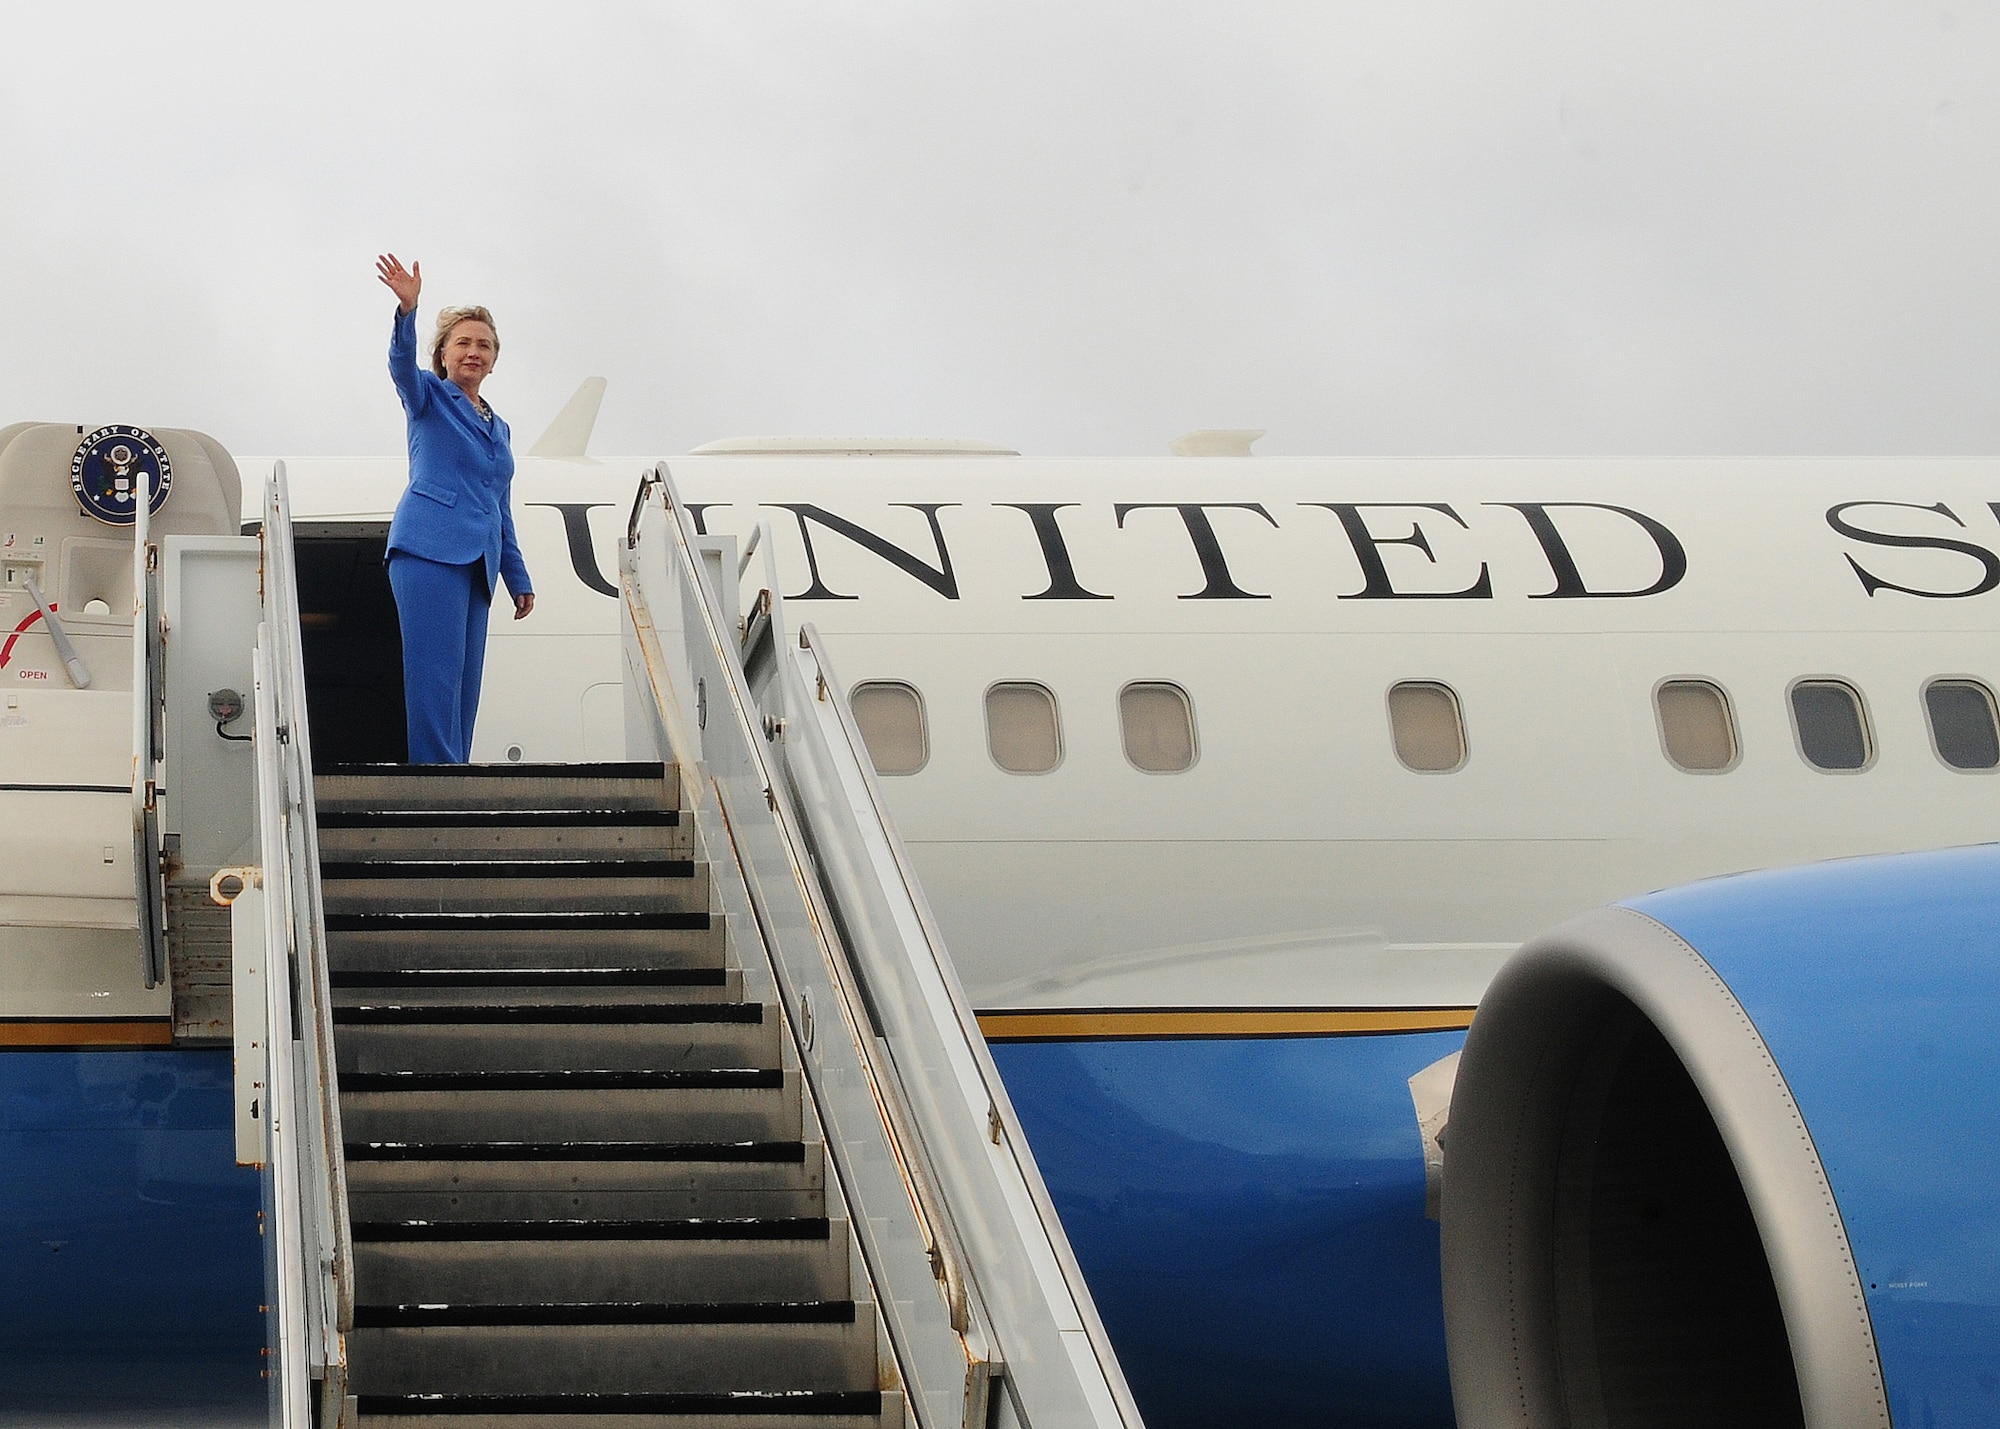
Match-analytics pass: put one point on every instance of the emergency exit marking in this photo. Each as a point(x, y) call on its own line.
point(31, 674)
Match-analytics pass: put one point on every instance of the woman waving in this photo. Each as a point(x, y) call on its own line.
point(453, 532)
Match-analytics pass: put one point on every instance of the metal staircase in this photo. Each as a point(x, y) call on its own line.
point(630, 1094)
point(582, 1176)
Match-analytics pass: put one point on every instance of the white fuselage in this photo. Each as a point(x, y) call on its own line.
point(1298, 862)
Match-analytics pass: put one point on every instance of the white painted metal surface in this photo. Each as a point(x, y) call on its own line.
point(969, 1261)
point(250, 1028)
point(290, 1279)
point(1298, 862)
point(310, 1262)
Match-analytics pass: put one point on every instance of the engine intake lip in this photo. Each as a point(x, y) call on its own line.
point(1534, 1048)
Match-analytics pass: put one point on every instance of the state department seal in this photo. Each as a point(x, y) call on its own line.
point(108, 468)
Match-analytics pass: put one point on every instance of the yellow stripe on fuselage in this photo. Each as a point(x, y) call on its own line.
point(142, 1032)
point(1104, 1024)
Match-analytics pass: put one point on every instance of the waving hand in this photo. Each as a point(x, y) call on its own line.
point(405, 283)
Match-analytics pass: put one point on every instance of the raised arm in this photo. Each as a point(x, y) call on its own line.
point(406, 284)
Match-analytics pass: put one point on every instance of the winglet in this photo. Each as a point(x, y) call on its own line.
point(569, 434)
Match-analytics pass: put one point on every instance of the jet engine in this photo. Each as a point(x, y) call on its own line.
point(1730, 1155)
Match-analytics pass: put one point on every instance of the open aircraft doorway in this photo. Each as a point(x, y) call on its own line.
point(351, 644)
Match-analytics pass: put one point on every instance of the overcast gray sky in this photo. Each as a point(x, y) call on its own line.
point(1076, 228)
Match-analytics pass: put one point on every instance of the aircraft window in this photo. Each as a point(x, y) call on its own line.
point(1425, 722)
point(1963, 729)
point(1022, 729)
point(891, 716)
point(1832, 730)
point(1695, 727)
point(1157, 722)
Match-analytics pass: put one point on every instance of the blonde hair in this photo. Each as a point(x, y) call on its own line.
point(449, 318)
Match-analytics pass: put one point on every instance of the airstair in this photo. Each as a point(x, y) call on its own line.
point(631, 1094)
point(578, 1164)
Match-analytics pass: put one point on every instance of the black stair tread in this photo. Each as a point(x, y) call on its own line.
point(580, 1079)
point(475, 922)
point(689, 1228)
point(629, 769)
point(580, 816)
point(736, 1402)
point(529, 977)
point(609, 1312)
point(583, 867)
point(381, 1014)
point(732, 1151)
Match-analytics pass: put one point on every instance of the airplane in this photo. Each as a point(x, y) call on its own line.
point(1235, 781)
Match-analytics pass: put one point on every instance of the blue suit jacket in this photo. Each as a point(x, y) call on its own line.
point(456, 508)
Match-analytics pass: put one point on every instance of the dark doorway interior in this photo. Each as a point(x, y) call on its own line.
point(352, 644)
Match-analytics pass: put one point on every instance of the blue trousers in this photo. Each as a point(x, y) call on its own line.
point(442, 609)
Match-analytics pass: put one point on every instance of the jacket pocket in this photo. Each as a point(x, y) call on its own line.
point(443, 495)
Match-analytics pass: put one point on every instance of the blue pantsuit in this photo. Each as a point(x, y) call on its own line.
point(453, 528)
point(443, 610)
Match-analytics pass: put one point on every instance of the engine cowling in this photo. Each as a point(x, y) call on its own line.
point(1730, 1155)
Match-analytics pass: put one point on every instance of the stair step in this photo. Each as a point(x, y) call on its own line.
point(529, 977)
point(423, 773)
point(651, 1114)
point(685, 1269)
point(590, 1186)
point(566, 867)
point(513, 816)
point(891, 1416)
point(530, 947)
point(495, 842)
point(347, 789)
point(778, 1410)
point(755, 1151)
point(432, 1046)
point(470, 923)
point(692, 1228)
point(572, 1079)
point(725, 993)
point(387, 1013)
point(723, 1359)
point(504, 897)
point(614, 1312)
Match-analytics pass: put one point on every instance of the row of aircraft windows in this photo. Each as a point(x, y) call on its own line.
point(1023, 728)
point(1697, 726)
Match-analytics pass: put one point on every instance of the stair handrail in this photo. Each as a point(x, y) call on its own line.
point(1019, 1233)
point(943, 1358)
point(148, 710)
point(322, 1187)
point(1021, 1257)
point(1069, 1372)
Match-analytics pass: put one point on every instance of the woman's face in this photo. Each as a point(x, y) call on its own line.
point(469, 352)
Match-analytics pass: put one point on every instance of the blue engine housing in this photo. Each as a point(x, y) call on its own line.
point(1731, 1154)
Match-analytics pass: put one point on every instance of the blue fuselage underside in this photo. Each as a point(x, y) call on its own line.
point(1249, 1215)
point(1248, 1212)
point(130, 1266)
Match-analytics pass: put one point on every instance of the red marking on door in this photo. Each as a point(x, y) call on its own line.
point(7, 650)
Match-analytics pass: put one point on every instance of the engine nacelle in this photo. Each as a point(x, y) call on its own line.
point(1730, 1155)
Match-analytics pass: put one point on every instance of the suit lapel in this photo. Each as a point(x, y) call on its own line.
point(468, 415)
